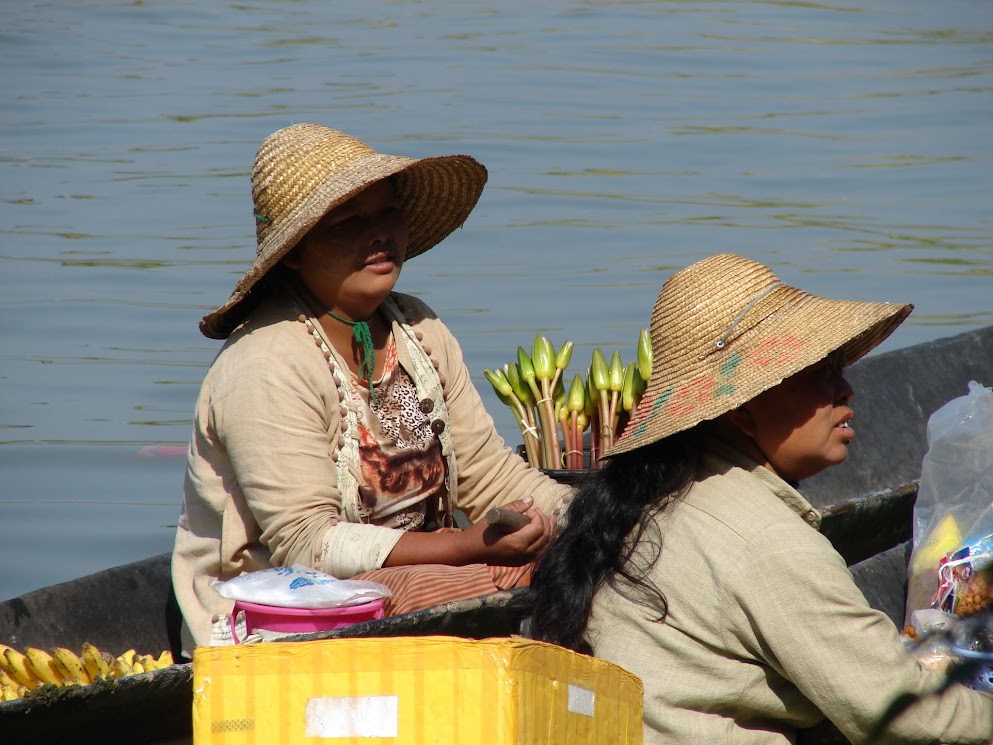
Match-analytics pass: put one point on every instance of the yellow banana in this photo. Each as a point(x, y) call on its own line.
point(121, 667)
point(69, 663)
point(42, 664)
point(127, 656)
point(165, 659)
point(94, 662)
point(8, 692)
point(16, 665)
point(5, 677)
point(137, 667)
point(146, 661)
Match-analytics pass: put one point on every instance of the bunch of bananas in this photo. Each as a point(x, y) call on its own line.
point(21, 672)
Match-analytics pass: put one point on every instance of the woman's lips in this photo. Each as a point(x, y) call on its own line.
point(381, 261)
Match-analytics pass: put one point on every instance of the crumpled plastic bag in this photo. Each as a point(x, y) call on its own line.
point(954, 508)
point(299, 587)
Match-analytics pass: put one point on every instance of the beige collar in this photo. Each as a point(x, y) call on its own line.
point(718, 456)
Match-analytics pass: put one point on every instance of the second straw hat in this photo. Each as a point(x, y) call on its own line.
point(303, 171)
point(726, 328)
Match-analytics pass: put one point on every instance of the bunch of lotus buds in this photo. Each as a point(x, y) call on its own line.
point(553, 419)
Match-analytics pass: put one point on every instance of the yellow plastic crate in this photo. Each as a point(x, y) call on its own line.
point(433, 690)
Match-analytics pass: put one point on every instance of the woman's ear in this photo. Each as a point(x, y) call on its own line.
point(742, 419)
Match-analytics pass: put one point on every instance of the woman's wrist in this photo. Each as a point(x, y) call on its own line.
point(454, 549)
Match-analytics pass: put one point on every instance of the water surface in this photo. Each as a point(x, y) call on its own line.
point(845, 144)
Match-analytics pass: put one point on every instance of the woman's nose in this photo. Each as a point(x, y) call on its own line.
point(383, 227)
point(378, 232)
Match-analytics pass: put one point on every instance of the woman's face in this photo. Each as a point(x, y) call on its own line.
point(802, 426)
point(352, 258)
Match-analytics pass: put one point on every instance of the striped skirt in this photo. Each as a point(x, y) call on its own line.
point(422, 585)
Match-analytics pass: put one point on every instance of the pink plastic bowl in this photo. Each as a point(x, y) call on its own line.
point(303, 620)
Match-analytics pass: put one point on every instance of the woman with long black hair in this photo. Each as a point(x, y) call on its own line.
point(692, 560)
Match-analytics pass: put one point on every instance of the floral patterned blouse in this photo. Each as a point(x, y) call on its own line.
point(400, 456)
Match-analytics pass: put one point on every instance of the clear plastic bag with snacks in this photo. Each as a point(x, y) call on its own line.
point(953, 515)
point(950, 583)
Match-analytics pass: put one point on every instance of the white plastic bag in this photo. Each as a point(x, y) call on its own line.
point(954, 507)
point(299, 587)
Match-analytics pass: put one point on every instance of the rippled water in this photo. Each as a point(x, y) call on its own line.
point(848, 145)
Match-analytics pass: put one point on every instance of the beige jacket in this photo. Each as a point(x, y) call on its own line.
point(766, 631)
point(260, 486)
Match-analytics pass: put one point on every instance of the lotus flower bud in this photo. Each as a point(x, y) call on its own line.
point(599, 372)
point(525, 366)
point(498, 380)
point(564, 356)
point(628, 391)
point(616, 373)
point(542, 358)
point(576, 400)
point(521, 389)
point(583, 421)
point(645, 355)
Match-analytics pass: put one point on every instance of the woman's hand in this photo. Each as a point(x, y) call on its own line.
point(480, 544)
point(503, 546)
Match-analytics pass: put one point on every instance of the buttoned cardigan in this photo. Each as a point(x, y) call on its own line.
point(264, 480)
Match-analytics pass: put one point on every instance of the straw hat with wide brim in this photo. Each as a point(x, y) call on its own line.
point(304, 171)
point(726, 329)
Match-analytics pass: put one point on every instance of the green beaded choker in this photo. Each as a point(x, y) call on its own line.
point(363, 337)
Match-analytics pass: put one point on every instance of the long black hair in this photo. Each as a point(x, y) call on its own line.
point(611, 514)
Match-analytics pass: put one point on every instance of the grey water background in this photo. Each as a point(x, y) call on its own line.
point(846, 144)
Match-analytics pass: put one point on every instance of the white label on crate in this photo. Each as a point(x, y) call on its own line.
point(581, 700)
point(352, 716)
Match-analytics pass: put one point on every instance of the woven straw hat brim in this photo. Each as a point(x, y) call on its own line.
point(437, 195)
point(785, 332)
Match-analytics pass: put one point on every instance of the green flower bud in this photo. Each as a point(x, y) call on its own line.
point(583, 421)
point(599, 373)
point(525, 366)
point(627, 391)
point(542, 358)
point(521, 389)
point(564, 356)
point(576, 401)
point(499, 382)
point(645, 355)
point(616, 373)
point(639, 387)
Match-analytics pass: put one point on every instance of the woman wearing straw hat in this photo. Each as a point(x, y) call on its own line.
point(692, 560)
point(338, 424)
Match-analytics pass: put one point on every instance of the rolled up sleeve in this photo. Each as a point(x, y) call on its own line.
point(795, 605)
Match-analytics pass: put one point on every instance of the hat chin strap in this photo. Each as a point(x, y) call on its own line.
point(722, 342)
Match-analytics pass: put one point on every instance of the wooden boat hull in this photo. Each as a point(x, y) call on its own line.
point(867, 510)
point(156, 707)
